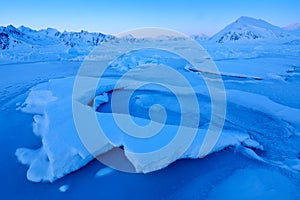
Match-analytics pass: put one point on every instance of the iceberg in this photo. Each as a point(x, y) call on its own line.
point(56, 128)
point(63, 151)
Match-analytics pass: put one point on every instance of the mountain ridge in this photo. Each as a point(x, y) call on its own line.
point(247, 29)
point(24, 44)
point(243, 29)
point(12, 37)
point(292, 27)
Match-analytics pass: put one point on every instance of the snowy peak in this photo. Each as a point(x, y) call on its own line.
point(9, 36)
point(50, 32)
point(200, 37)
point(248, 21)
point(25, 29)
point(82, 38)
point(26, 39)
point(24, 44)
point(247, 28)
point(11, 30)
point(292, 27)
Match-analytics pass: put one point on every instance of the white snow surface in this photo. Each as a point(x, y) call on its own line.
point(249, 29)
point(49, 162)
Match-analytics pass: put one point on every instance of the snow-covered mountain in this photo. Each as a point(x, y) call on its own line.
point(24, 44)
point(246, 29)
point(11, 37)
point(292, 27)
point(24, 38)
point(200, 37)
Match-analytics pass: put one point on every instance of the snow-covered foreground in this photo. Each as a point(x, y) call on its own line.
point(257, 155)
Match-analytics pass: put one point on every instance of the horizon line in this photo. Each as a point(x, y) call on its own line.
point(114, 34)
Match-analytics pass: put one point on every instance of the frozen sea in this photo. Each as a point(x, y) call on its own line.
point(262, 85)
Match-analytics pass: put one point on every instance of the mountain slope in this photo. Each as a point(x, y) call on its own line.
point(27, 45)
point(246, 29)
point(292, 27)
point(24, 38)
point(11, 37)
point(200, 37)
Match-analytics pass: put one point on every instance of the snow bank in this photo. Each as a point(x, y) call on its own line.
point(62, 151)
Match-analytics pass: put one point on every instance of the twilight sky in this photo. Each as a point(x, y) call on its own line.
point(114, 16)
